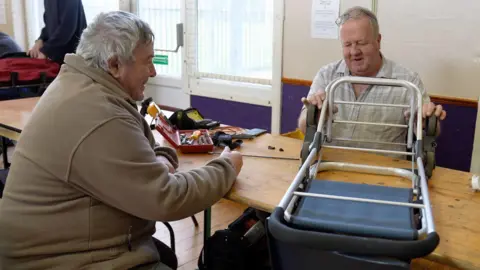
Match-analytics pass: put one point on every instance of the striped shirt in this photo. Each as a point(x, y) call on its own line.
point(376, 114)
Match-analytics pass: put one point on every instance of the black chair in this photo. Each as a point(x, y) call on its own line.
point(172, 233)
point(3, 180)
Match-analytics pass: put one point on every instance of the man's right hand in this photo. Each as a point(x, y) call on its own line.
point(316, 99)
point(35, 52)
point(235, 157)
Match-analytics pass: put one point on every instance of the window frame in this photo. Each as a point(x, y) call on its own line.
point(265, 95)
point(258, 94)
point(162, 79)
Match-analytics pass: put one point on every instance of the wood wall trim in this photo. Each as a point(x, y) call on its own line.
point(296, 82)
point(168, 108)
point(464, 102)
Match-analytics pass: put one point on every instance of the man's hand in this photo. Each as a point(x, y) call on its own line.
point(235, 157)
point(34, 52)
point(165, 161)
point(41, 56)
point(316, 99)
point(428, 110)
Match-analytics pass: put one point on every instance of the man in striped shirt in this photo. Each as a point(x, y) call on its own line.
point(360, 37)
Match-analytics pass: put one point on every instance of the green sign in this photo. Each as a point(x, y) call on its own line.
point(160, 59)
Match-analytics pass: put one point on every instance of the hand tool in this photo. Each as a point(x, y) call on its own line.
point(258, 156)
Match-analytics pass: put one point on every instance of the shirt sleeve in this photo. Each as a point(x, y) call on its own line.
point(44, 33)
point(319, 81)
point(419, 83)
point(116, 165)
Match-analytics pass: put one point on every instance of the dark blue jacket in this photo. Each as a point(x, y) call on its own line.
point(64, 24)
point(8, 45)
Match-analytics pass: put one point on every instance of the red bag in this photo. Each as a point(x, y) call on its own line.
point(27, 69)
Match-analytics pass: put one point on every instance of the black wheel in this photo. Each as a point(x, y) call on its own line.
point(430, 164)
point(305, 151)
point(312, 112)
point(431, 125)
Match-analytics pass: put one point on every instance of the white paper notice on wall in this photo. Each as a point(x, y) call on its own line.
point(3, 14)
point(324, 15)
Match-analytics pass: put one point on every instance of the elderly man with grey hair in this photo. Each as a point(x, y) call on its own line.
point(360, 39)
point(88, 181)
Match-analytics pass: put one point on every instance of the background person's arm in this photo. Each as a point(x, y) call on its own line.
point(44, 33)
point(34, 52)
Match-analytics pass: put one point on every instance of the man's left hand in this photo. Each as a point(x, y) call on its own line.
point(428, 110)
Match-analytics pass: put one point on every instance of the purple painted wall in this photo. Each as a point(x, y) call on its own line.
point(455, 144)
point(234, 113)
point(291, 105)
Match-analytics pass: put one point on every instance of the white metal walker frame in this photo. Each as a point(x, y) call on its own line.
point(419, 182)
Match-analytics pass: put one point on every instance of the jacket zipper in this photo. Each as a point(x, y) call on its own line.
point(129, 239)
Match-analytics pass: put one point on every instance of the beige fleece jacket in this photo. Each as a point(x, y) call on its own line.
point(84, 179)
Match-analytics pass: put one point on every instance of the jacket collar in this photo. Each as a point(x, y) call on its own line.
point(98, 75)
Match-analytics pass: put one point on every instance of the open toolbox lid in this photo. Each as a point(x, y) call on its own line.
point(169, 132)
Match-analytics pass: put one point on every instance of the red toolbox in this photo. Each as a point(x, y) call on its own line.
point(181, 139)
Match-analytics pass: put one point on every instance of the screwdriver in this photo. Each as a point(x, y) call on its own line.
point(195, 135)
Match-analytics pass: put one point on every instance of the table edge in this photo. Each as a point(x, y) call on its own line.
point(14, 129)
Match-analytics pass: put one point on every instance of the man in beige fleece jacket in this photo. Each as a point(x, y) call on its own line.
point(87, 181)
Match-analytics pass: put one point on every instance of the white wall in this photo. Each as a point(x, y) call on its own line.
point(303, 55)
point(14, 21)
point(166, 95)
point(7, 28)
point(437, 38)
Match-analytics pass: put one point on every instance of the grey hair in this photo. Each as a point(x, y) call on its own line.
point(357, 13)
point(113, 34)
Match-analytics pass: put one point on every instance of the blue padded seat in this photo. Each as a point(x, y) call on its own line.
point(356, 218)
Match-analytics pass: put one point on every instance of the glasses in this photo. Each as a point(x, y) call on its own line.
point(343, 18)
point(352, 15)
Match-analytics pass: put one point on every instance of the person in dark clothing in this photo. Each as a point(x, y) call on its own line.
point(8, 45)
point(64, 24)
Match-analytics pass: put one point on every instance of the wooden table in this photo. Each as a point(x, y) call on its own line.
point(14, 114)
point(263, 182)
